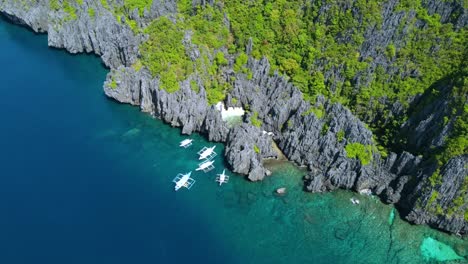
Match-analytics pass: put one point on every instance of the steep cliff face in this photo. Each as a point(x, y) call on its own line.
point(185, 108)
point(430, 121)
point(448, 192)
point(32, 14)
point(336, 146)
point(102, 34)
point(305, 137)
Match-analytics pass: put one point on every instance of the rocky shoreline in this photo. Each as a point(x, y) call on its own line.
point(317, 142)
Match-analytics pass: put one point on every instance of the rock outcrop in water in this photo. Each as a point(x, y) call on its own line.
point(315, 135)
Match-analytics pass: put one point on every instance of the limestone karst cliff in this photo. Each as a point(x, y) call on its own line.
point(372, 114)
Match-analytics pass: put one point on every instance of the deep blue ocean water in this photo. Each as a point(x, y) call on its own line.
point(84, 179)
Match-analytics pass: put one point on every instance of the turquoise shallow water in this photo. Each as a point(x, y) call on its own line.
point(87, 180)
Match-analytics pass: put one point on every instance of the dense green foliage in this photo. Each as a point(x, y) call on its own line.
point(254, 119)
point(320, 51)
point(70, 10)
point(113, 84)
point(294, 36)
point(317, 111)
point(359, 151)
point(105, 4)
point(256, 149)
point(91, 12)
point(54, 4)
point(302, 42)
point(457, 143)
point(164, 53)
point(166, 57)
point(340, 135)
point(66, 6)
point(138, 4)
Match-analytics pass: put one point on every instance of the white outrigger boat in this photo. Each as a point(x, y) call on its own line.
point(183, 180)
point(205, 166)
point(186, 143)
point(222, 178)
point(207, 153)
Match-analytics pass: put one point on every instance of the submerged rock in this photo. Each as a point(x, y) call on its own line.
point(131, 133)
point(433, 250)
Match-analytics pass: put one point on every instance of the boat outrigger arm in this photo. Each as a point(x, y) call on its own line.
point(222, 178)
point(183, 180)
point(207, 153)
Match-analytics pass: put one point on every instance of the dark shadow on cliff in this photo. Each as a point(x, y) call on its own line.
point(81, 54)
point(402, 134)
point(439, 91)
point(25, 42)
point(6, 18)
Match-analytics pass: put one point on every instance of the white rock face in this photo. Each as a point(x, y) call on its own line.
point(230, 112)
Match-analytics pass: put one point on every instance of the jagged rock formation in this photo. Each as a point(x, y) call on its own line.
point(246, 147)
point(449, 11)
point(317, 140)
point(34, 17)
point(449, 194)
point(303, 137)
point(394, 28)
point(101, 34)
point(184, 108)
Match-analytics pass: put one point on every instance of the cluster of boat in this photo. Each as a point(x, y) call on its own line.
point(206, 156)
